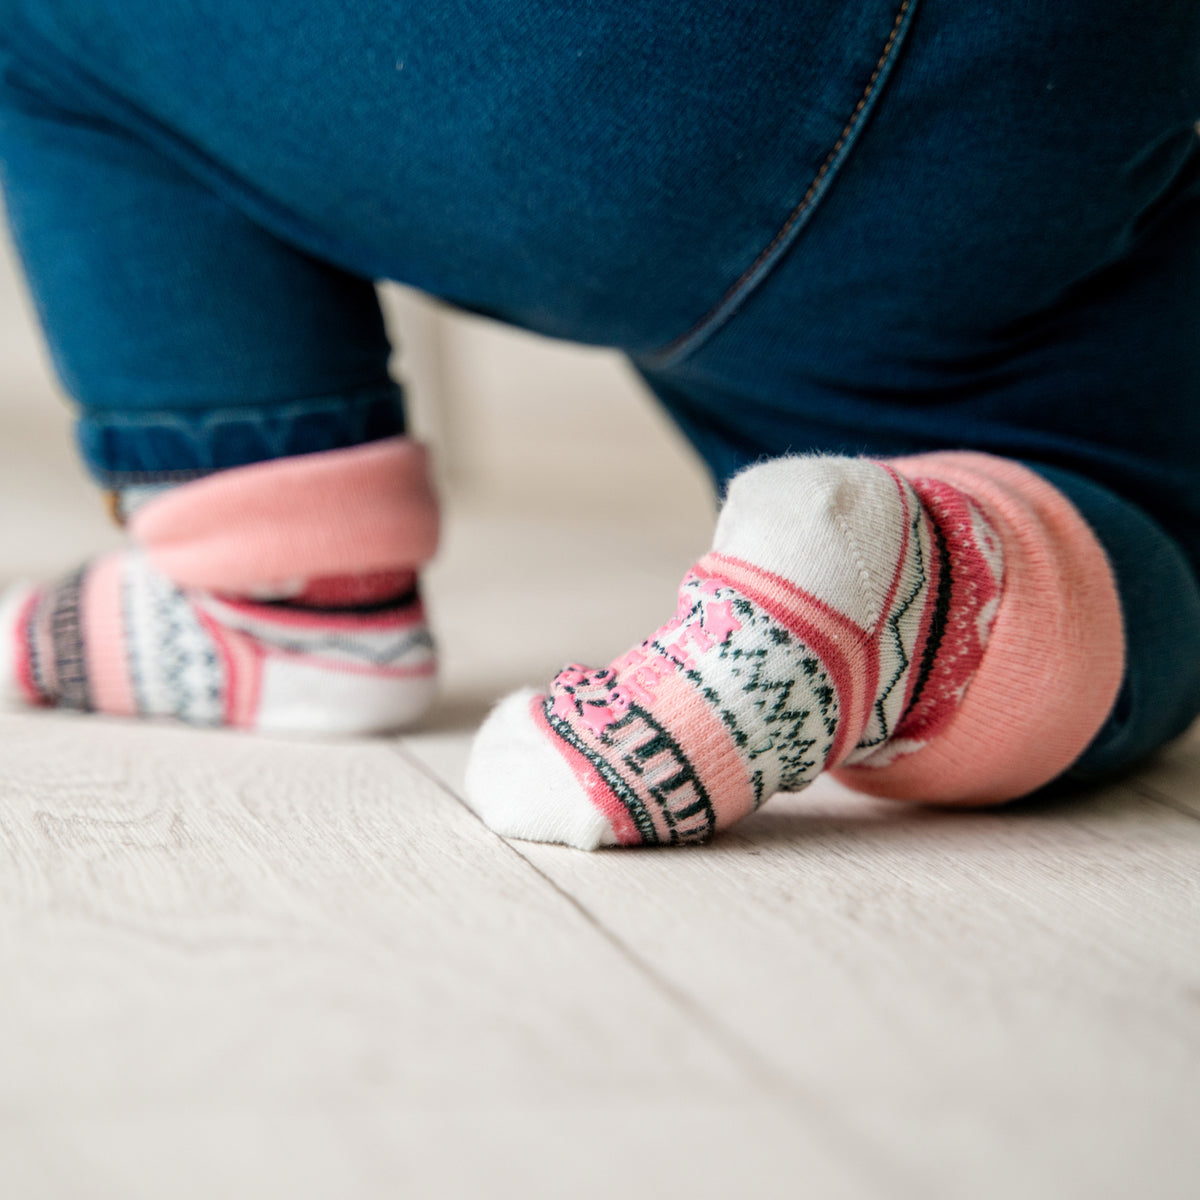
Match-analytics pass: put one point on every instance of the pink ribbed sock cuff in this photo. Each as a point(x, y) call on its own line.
point(337, 512)
point(1054, 660)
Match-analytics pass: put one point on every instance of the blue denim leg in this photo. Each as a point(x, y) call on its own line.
point(201, 191)
point(192, 338)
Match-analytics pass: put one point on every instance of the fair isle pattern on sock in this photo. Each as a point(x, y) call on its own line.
point(971, 577)
point(799, 643)
point(119, 637)
point(713, 713)
point(277, 596)
point(910, 615)
point(174, 669)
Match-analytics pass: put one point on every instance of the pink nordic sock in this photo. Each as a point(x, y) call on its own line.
point(280, 596)
point(841, 620)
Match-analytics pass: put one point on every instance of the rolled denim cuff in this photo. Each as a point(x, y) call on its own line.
point(128, 449)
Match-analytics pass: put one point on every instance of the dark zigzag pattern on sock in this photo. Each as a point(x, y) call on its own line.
point(893, 626)
point(785, 728)
point(941, 617)
point(790, 745)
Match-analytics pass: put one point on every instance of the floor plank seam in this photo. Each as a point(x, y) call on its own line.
point(855, 1148)
point(760, 1070)
point(1147, 791)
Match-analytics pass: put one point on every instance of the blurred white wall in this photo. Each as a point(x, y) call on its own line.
point(50, 518)
point(523, 419)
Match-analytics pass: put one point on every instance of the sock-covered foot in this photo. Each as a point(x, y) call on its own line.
point(839, 620)
point(280, 596)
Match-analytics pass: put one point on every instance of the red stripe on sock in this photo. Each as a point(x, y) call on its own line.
point(350, 591)
point(392, 619)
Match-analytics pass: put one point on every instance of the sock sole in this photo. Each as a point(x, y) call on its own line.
point(300, 697)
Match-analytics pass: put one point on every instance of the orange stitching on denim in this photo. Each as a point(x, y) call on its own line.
point(800, 208)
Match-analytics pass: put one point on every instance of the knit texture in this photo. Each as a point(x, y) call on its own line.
point(1055, 658)
point(840, 620)
point(207, 619)
point(802, 640)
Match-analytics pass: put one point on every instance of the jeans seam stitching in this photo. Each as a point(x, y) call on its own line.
point(676, 349)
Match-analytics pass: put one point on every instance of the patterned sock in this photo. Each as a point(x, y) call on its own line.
point(841, 620)
point(278, 597)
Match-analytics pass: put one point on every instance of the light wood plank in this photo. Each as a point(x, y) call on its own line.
point(628, 1149)
point(1001, 1003)
point(240, 966)
point(561, 428)
point(996, 1003)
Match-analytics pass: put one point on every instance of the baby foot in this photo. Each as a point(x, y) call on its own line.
point(276, 597)
point(840, 615)
point(943, 628)
point(119, 637)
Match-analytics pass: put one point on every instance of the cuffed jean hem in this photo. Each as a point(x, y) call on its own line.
point(126, 449)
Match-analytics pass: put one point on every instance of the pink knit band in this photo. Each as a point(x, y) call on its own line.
point(368, 508)
point(105, 639)
point(1054, 660)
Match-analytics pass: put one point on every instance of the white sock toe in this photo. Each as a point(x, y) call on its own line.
point(12, 600)
point(523, 788)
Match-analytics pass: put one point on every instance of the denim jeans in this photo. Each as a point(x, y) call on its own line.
point(875, 227)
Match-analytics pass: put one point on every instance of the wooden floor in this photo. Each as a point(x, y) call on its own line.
point(244, 967)
point(237, 967)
